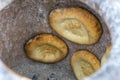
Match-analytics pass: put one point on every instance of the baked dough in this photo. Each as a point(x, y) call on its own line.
point(84, 63)
point(46, 48)
point(76, 24)
point(106, 55)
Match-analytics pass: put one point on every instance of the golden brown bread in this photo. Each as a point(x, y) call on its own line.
point(46, 48)
point(106, 54)
point(84, 63)
point(76, 24)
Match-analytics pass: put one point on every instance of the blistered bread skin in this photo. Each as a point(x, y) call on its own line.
point(84, 63)
point(46, 48)
point(76, 24)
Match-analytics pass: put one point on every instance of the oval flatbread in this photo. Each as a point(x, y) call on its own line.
point(46, 48)
point(76, 24)
point(106, 54)
point(84, 63)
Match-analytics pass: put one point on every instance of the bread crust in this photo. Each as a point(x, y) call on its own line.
point(84, 63)
point(76, 24)
point(46, 48)
point(106, 54)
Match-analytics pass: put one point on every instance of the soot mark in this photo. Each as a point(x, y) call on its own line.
point(35, 77)
point(52, 76)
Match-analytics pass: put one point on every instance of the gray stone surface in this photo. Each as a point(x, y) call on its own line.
point(108, 9)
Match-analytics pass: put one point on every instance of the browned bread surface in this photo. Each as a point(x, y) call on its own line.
point(106, 54)
point(84, 63)
point(46, 48)
point(76, 24)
